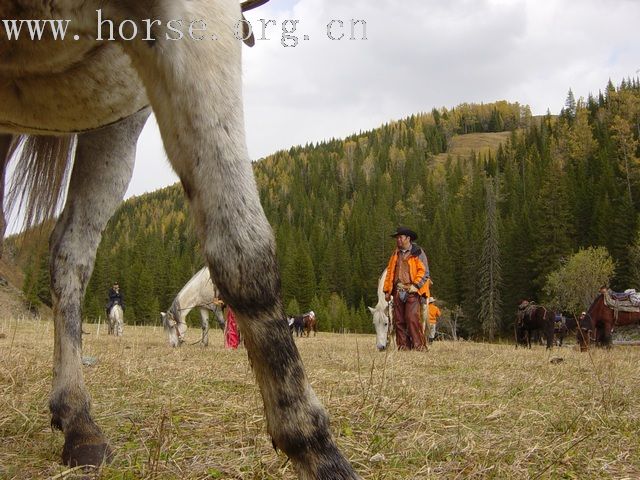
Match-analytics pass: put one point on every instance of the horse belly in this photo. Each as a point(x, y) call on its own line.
point(62, 86)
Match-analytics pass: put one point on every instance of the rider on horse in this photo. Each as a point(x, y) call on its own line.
point(115, 296)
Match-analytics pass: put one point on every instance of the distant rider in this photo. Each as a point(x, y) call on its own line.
point(115, 296)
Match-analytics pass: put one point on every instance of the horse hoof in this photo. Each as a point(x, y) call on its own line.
point(87, 454)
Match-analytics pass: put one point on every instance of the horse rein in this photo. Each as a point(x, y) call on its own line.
point(200, 305)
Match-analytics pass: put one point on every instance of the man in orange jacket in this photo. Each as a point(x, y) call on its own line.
point(406, 281)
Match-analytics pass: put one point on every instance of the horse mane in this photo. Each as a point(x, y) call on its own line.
point(382, 303)
point(40, 176)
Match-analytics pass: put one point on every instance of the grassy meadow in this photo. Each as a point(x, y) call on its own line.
point(462, 146)
point(461, 410)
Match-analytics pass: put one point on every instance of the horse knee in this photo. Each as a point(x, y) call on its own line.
point(248, 276)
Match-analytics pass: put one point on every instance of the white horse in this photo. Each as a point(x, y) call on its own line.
point(116, 320)
point(199, 292)
point(78, 104)
point(381, 318)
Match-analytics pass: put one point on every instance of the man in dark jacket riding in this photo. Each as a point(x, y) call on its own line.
point(115, 296)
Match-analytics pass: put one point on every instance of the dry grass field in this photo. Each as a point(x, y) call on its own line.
point(462, 410)
point(481, 143)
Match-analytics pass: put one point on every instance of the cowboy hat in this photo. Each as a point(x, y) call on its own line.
point(405, 231)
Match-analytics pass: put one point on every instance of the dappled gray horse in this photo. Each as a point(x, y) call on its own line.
point(199, 292)
point(116, 320)
point(81, 104)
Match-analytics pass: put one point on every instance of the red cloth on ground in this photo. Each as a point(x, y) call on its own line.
point(231, 337)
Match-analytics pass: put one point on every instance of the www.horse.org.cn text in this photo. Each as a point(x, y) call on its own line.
point(150, 30)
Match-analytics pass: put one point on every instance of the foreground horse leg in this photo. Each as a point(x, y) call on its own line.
point(195, 90)
point(102, 170)
point(5, 143)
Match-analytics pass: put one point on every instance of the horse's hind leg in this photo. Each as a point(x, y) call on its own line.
point(549, 334)
point(5, 143)
point(102, 170)
point(195, 91)
point(120, 319)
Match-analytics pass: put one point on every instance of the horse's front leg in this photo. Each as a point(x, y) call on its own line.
point(195, 89)
point(204, 322)
point(606, 335)
point(120, 320)
point(101, 173)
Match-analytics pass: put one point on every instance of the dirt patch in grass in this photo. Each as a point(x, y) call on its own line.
point(461, 410)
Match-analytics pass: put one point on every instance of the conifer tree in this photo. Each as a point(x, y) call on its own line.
point(305, 277)
point(552, 226)
point(293, 308)
point(490, 265)
point(634, 258)
point(627, 146)
point(570, 106)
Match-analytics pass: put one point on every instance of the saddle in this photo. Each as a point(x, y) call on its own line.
point(525, 309)
point(627, 301)
point(626, 296)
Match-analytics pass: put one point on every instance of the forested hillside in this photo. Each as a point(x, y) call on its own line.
point(494, 222)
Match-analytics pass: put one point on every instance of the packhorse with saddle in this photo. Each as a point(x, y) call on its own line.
point(609, 310)
point(531, 320)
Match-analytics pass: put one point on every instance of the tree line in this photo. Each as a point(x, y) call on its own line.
point(495, 226)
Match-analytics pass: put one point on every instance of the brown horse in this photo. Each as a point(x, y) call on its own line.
point(310, 323)
point(532, 319)
point(600, 321)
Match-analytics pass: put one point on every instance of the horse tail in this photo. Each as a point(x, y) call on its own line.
point(40, 176)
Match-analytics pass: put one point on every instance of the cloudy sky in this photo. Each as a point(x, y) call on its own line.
point(418, 54)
